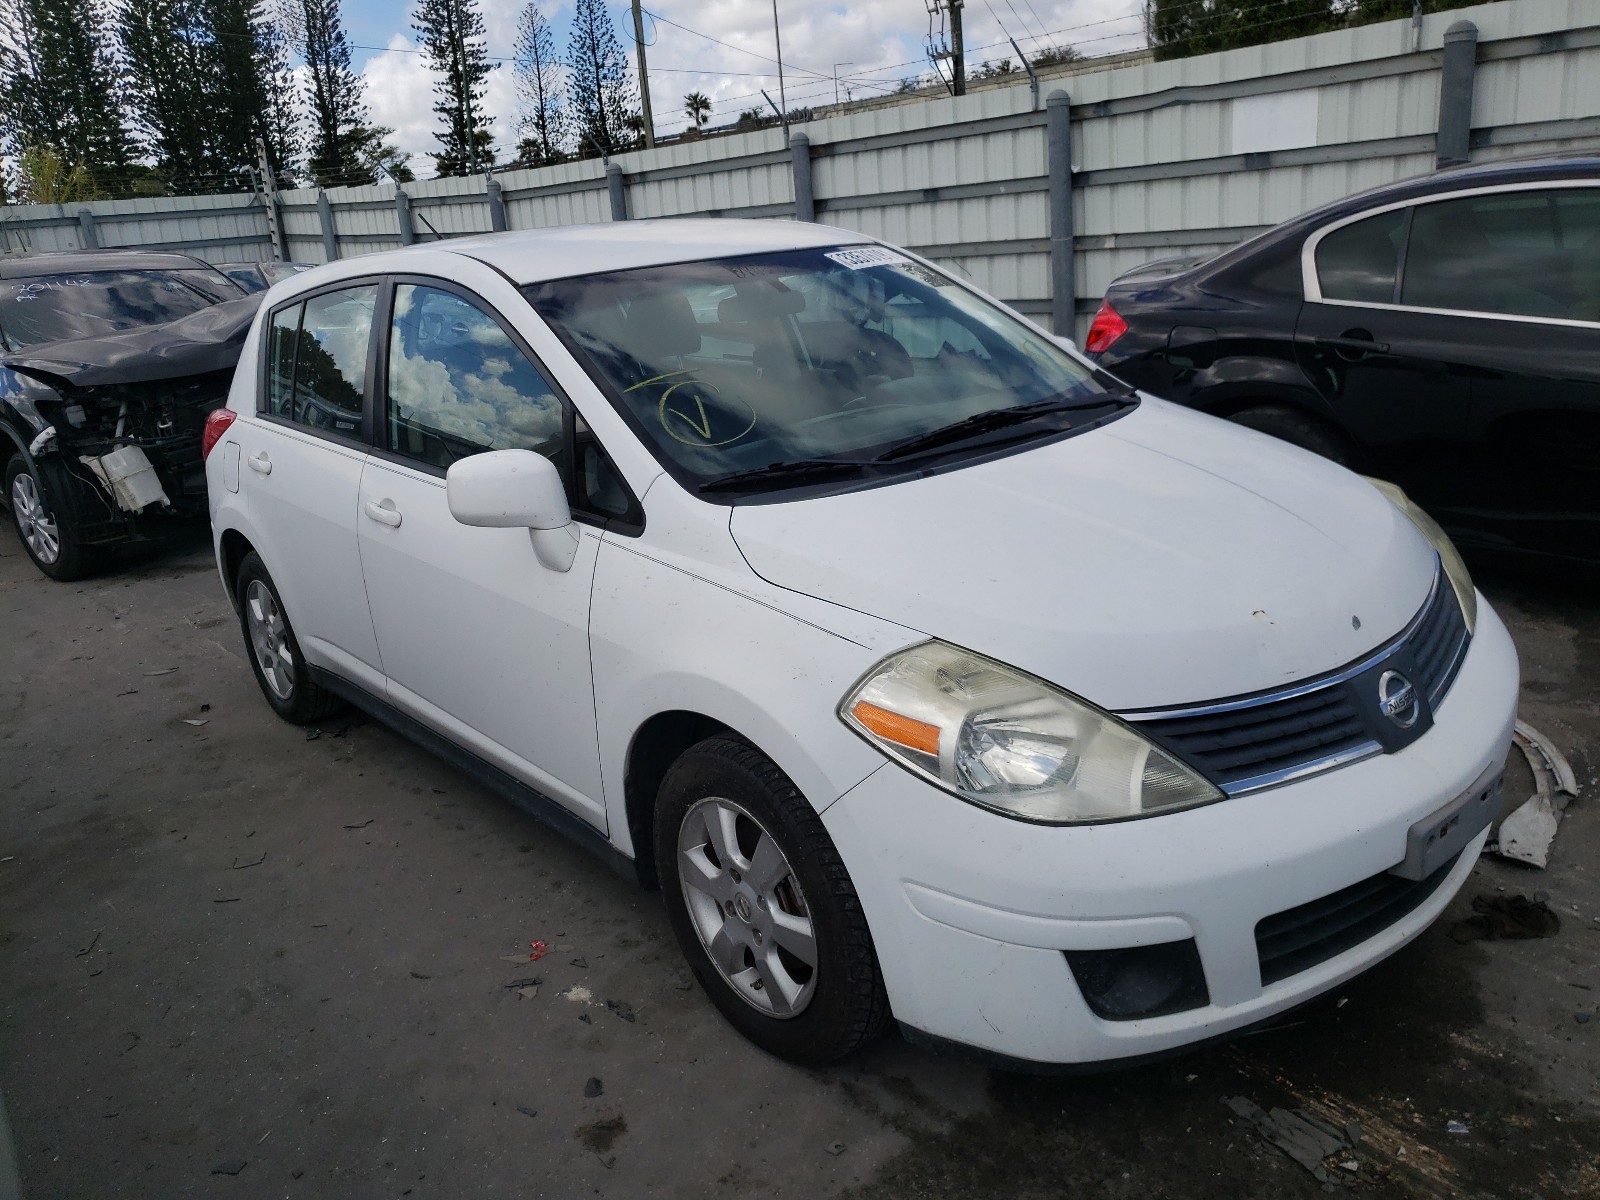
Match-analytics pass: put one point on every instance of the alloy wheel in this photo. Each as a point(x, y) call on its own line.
point(37, 526)
point(269, 637)
point(747, 907)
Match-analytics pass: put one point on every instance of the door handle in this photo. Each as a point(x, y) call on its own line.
point(1356, 344)
point(260, 463)
point(384, 512)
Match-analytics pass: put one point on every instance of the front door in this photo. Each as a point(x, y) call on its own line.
point(479, 640)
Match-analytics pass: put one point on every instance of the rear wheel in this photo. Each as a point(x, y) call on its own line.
point(40, 497)
point(275, 657)
point(763, 907)
point(1297, 429)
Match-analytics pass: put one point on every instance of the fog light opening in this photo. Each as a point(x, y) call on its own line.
point(1140, 981)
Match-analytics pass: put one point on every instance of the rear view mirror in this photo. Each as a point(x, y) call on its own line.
point(515, 489)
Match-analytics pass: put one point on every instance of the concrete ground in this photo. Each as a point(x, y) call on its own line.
point(240, 960)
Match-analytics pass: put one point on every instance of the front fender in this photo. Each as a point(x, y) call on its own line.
point(772, 677)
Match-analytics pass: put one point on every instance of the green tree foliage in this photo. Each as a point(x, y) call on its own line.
point(451, 33)
point(1180, 28)
point(604, 101)
point(59, 87)
point(340, 138)
point(542, 119)
point(202, 79)
point(283, 131)
point(698, 106)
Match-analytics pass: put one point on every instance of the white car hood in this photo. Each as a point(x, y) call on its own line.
point(1165, 558)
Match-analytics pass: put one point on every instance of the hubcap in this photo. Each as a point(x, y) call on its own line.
point(269, 638)
point(747, 906)
point(37, 526)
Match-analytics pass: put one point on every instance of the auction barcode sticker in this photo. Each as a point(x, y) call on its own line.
point(866, 256)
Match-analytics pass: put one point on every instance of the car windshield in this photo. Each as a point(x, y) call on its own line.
point(781, 367)
point(52, 308)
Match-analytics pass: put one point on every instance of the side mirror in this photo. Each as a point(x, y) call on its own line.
point(515, 489)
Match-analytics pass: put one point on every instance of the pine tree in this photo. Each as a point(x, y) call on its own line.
point(281, 116)
point(173, 75)
point(451, 34)
point(542, 122)
point(601, 89)
point(58, 90)
point(339, 130)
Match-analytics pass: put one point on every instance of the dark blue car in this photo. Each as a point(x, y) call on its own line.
point(109, 363)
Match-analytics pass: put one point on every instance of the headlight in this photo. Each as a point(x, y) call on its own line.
point(1455, 570)
point(1007, 741)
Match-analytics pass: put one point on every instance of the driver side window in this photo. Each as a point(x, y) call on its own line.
point(458, 384)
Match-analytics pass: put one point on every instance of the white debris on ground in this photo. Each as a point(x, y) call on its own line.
point(1526, 834)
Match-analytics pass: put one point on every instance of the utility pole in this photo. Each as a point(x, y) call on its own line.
point(958, 60)
point(644, 78)
point(783, 101)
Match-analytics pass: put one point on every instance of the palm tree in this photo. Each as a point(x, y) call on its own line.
point(698, 107)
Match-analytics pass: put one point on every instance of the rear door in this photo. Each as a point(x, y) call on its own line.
point(303, 453)
point(1392, 378)
point(1476, 382)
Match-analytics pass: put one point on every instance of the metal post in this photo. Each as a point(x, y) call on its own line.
point(805, 205)
point(402, 212)
point(619, 194)
point(1063, 279)
point(497, 207)
point(1455, 94)
point(330, 235)
point(783, 99)
point(91, 236)
point(269, 195)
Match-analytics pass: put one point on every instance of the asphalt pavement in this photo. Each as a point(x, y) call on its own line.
point(243, 959)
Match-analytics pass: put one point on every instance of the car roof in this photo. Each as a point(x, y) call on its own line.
point(1478, 175)
point(535, 255)
point(66, 262)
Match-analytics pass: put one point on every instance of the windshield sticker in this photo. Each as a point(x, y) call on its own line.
point(862, 257)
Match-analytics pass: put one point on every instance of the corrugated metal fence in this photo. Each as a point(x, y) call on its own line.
point(1165, 158)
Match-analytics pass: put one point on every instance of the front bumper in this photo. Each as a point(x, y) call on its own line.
point(971, 912)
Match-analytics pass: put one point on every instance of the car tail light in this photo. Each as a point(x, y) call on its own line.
point(217, 422)
point(1108, 326)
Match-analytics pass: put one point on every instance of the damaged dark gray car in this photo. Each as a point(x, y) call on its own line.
point(109, 364)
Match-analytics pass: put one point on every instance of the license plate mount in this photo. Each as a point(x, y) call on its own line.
point(1444, 833)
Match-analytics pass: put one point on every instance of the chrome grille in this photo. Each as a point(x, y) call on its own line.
point(1253, 742)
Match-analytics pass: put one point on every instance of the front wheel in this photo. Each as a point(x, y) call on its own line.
point(40, 497)
point(1297, 429)
point(763, 907)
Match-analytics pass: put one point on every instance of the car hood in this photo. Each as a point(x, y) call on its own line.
point(202, 342)
point(1165, 558)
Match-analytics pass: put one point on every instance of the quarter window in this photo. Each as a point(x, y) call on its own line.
point(458, 385)
point(317, 360)
point(1359, 262)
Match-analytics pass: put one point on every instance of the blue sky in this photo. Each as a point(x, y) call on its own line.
point(871, 44)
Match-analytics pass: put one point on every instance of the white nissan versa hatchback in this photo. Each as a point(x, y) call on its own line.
point(930, 672)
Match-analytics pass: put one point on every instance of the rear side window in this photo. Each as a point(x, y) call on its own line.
point(317, 360)
point(1522, 253)
point(1359, 262)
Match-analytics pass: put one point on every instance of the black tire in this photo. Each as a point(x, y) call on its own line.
point(846, 1005)
point(284, 679)
point(1297, 429)
point(52, 496)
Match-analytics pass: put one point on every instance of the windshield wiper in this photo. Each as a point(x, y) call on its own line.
point(800, 470)
point(979, 423)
